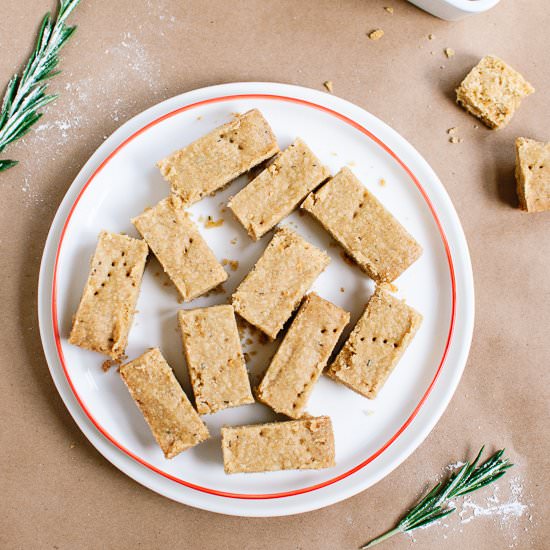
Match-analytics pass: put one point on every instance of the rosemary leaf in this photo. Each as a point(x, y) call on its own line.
point(5, 164)
point(26, 95)
point(435, 505)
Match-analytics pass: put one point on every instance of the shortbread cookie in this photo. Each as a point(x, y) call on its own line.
point(104, 316)
point(306, 444)
point(279, 189)
point(364, 228)
point(214, 358)
point(269, 294)
point(180, 248)
point(492, 91)
point(214, 160)
point(533, 174)
point(302, 356)
point(173, 421)
point(376, 344)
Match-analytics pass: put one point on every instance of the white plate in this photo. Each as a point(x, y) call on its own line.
point(372, 437)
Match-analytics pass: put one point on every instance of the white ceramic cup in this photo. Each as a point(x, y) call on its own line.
point(452, 10)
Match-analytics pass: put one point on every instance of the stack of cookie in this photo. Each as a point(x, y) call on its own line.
point(267, 298)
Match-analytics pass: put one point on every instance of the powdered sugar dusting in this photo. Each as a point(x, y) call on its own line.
point(506, 506)
point(133, 55)
point(30, 194)
point(504, 511)
point(455, 466)
point(80, 110)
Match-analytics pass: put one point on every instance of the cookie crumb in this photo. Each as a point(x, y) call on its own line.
point(342, 289)
point(454, 139)
point(376, 34)
point(112, 362)
point(449, 52)
point(199, 117)
point(234, 265)
point(246, 357)
point(452, 130)
point(233, 241)
point(211, 222)
point(382, 182)
point(328, 85)
point(431, 36)
point(389, 9)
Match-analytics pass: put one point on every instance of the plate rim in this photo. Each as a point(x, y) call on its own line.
point(213, 95)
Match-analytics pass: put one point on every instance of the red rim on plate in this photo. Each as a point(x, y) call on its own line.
point(368, 460)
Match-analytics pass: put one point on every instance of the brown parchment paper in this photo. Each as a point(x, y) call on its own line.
point(56, 490)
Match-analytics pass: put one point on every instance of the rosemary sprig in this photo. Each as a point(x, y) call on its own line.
point(26, 94)
point(432, 507)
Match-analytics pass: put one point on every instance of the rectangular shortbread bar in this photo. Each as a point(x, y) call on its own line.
point(302, 356)
point(104, 316)
point(376, 344)
point(214, 358)
point(306, 444)
point(269, 294)
point(533, 174)
point(171, 417)
point(368, 232)
point(214, 160)
point(180, 248)
point(279, 189)
point(492, 91)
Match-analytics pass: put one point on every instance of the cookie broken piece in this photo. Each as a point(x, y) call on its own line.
point(375, 240)
point(302, 356)
point(214, 358)
point(376, 344)
point(268, 295)
point(214, 160)
point(172, 419)
point(180, 248)
point(279, 189)
point(533, 174)
point(106, 310)
point(492, 91)
point(306, 444)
